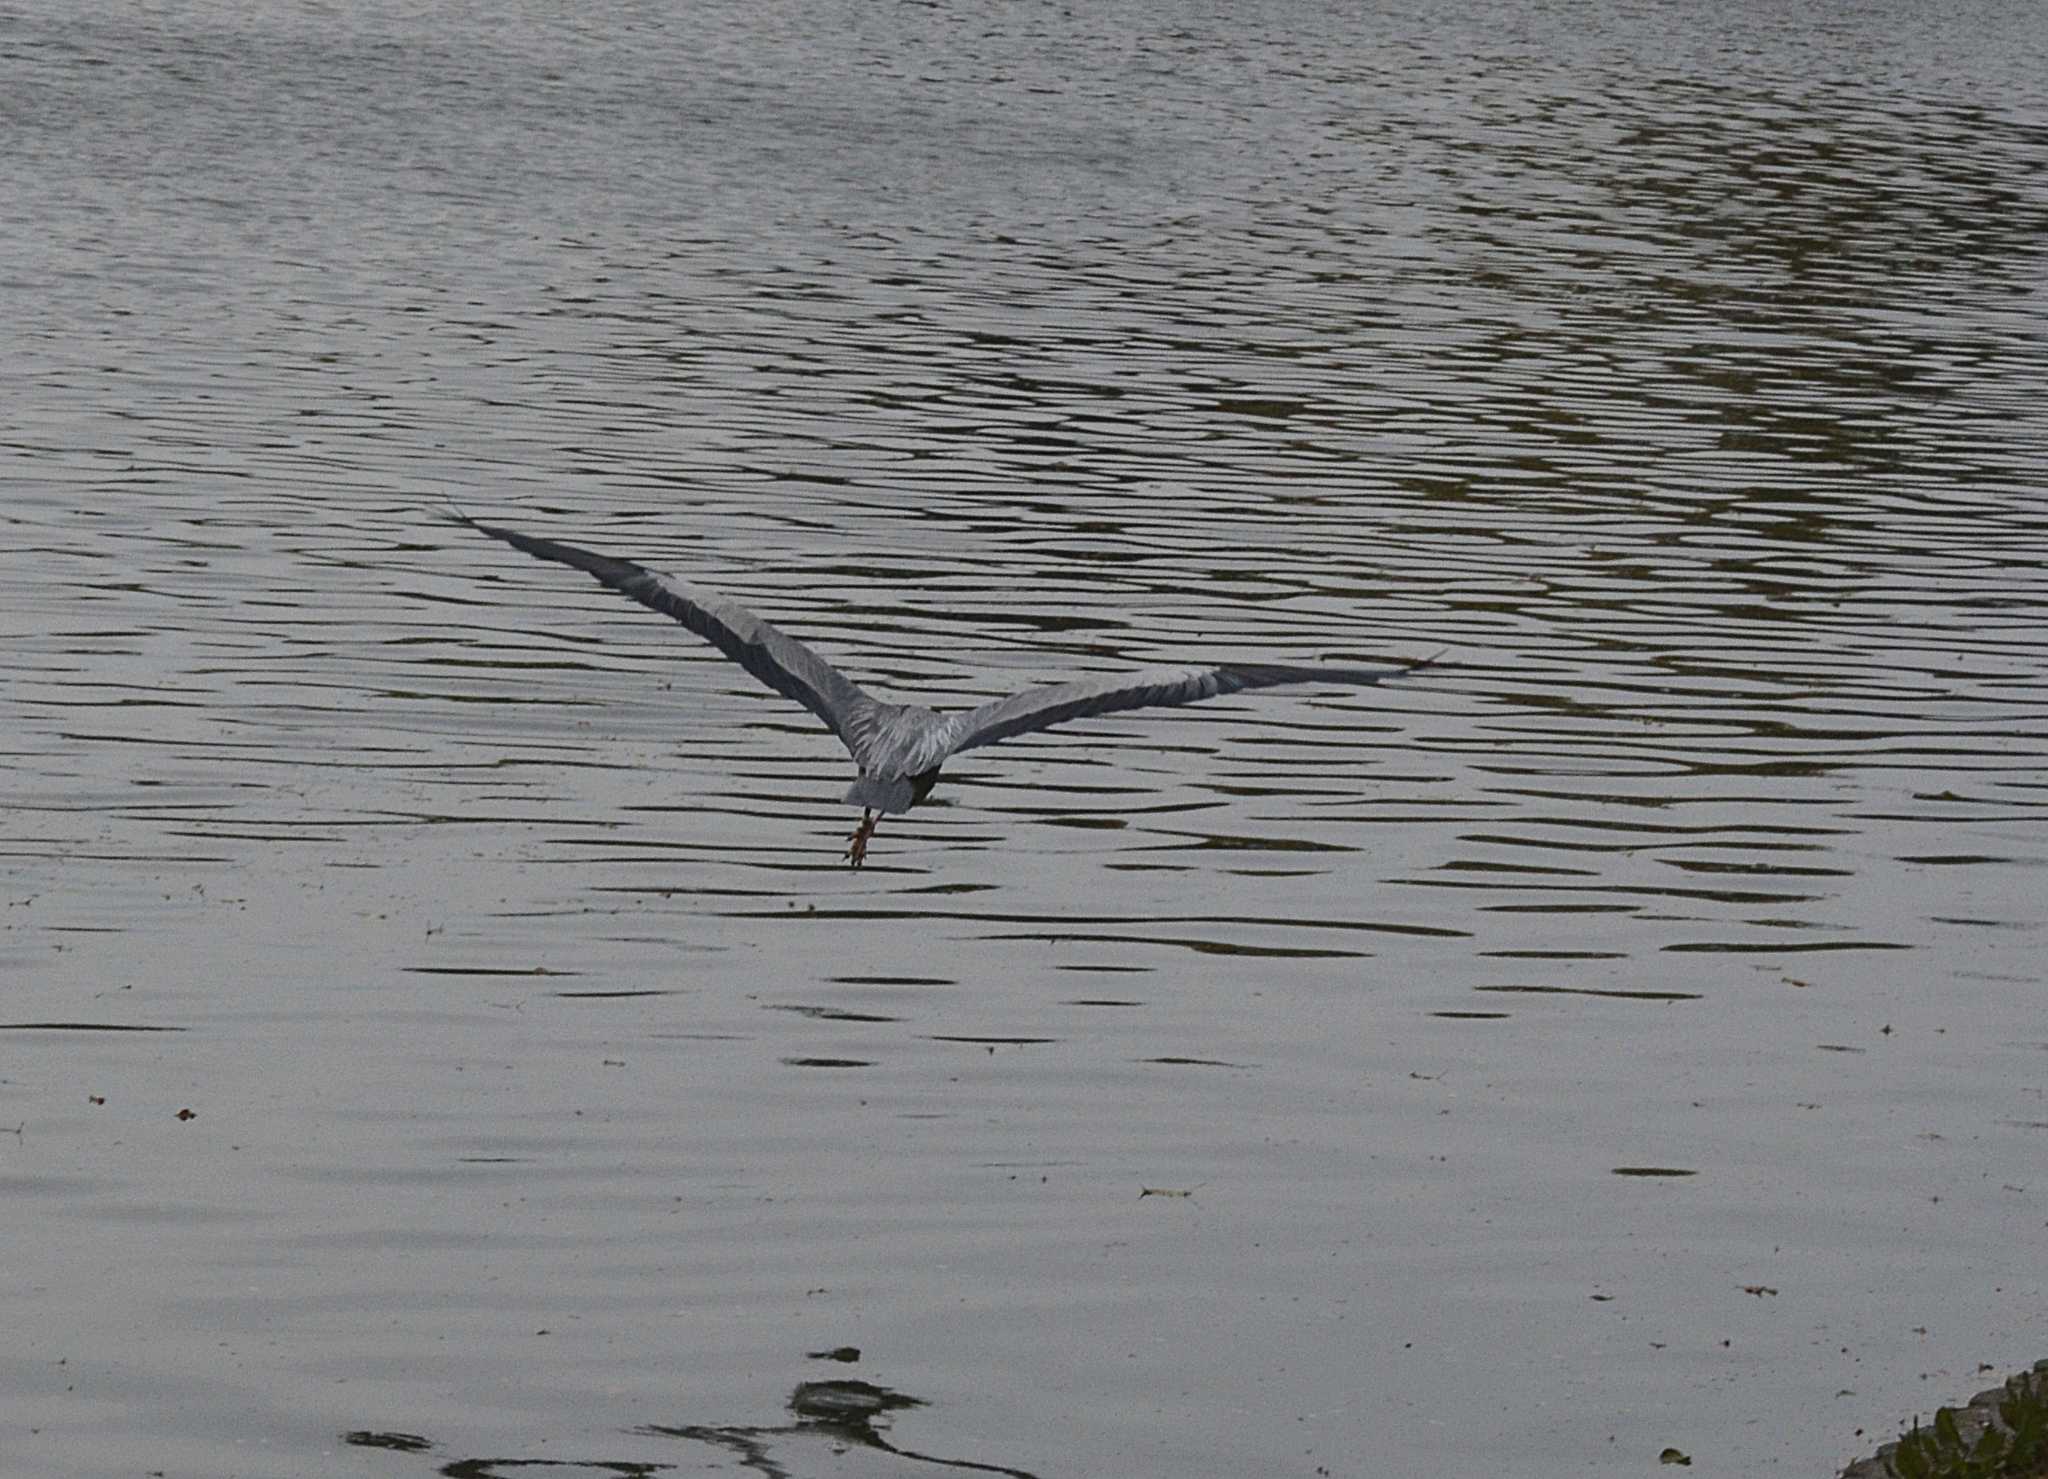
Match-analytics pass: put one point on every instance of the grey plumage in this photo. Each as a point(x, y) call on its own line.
point(899, 748)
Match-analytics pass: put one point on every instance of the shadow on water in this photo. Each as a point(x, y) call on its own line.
point(832, 1415)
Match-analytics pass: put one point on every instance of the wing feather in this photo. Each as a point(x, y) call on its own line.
point(1057, 703)
point(770, 654)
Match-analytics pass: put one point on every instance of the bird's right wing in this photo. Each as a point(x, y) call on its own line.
point(1041, 708)
point(770, 654)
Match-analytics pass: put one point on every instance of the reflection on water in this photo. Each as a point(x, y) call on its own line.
point(830, 1417)
point(836, 1412)
point(547, 1072)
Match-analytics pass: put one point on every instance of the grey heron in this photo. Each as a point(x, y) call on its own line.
point(900, 748)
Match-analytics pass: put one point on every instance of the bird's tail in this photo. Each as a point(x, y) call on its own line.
point(895, 795)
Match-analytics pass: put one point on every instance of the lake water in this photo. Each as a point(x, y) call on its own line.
point(1627, 1035)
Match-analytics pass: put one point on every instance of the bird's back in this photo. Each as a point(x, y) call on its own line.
point(899, 748)
point(904, 740)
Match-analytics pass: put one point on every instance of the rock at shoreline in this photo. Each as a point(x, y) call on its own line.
point(1971, 1421)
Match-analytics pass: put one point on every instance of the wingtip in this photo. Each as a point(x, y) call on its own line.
point(455, 515)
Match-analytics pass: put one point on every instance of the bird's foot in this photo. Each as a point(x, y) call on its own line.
point(857, 845)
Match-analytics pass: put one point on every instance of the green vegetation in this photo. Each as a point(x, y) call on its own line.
point(2015, 1447)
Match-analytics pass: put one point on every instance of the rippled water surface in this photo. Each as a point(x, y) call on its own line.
point(439, 1034)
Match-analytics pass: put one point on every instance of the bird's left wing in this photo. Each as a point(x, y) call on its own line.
point(1041, 708)
point(770, 654)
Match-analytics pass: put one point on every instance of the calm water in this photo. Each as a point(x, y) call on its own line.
point(1628, 1035)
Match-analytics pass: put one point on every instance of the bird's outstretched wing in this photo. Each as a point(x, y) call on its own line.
point(1041, 708)
point(770, 654)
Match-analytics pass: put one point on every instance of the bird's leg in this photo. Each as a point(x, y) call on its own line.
point(857, 848)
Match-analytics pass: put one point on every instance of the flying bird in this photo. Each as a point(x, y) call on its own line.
point(901, 747)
